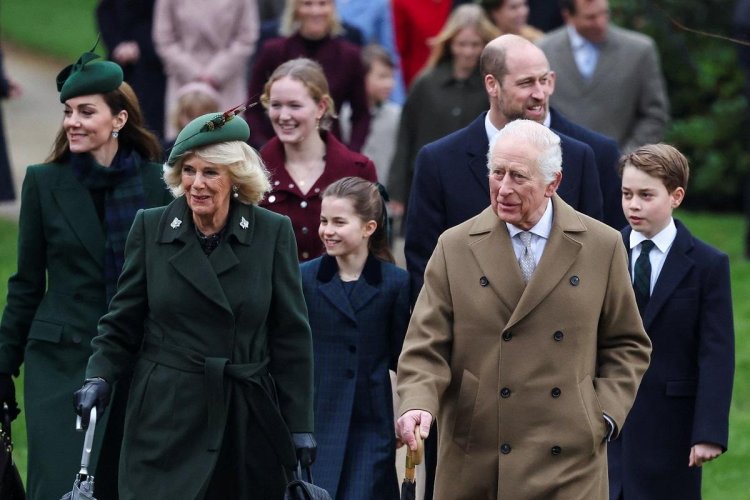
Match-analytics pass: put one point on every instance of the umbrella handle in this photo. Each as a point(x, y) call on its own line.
point(88, 441)
point(414, 458)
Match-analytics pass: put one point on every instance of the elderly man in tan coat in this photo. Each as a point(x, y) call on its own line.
point(525, 342)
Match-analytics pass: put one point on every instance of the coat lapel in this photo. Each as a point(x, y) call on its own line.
point(476, 151)
point(607, 62)
point(676, 266)
point(560, 253)
point(335, 294)
point(78, 209)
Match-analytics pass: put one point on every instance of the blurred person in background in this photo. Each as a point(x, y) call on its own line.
point(192, 100)
point(9, 89)
point(76, 212)
point(511, 16)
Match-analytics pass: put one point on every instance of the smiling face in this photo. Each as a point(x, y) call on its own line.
point(293, 112)
point(466, 47)
point(646, 202)
point(89, 123)
point(341, 230)
point(315, 18)
point(207, 188)
point(525, 89)
point(511, 16)
point(518, 191)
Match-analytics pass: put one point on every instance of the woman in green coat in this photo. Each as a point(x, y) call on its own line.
point(210, 309)
point(76, 211)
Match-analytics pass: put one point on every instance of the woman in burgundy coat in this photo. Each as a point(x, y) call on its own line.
point(304, 157)
point(312, 29)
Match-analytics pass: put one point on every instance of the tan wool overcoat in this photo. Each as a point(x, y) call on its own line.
point(519, 376)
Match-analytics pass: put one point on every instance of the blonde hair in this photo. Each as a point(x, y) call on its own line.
point(310, 74)
point(193, 100)
point(246, 169)
point(465, 16)
point(290, 23)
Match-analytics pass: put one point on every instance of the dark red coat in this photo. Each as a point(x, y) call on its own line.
point(304, 209)
point(343, 68)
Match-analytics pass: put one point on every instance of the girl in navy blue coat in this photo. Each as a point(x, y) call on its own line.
point(358, 303)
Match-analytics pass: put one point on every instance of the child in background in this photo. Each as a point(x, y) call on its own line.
point(680, 418)
point(193, 99)
point(358, 303)
point(385, 115)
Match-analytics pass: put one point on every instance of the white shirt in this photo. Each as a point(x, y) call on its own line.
point(492, 131)
point(662, 243)
point(539, 235)
point(585, 53)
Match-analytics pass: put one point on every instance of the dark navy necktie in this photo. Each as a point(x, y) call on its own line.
point(642, 275)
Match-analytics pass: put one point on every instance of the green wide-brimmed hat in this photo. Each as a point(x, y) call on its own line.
point(87, 77)
point(211, 128)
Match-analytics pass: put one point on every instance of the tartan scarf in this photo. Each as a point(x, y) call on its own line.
point(124, 195)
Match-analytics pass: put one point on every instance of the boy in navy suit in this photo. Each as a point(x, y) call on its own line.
point(680, 418)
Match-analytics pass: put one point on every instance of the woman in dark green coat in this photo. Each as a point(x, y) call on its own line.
point(210, 309)
point(76, 211)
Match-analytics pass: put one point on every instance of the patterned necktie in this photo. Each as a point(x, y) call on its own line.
point(642, 275)
point(527, 262)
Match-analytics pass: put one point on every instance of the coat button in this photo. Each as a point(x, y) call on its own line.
point(507, 336)
point(305, 230)
point(291, 186)
point(504, 392)
point(352, 348)
point(558, 336)
point(271, 199)
point(574, 280)
point(303, 204)
point(555, 392)
point(505, 448)
point(349, 373)
point(76, 338)
point(305, 255)
point(483, 281)
point(555, 450)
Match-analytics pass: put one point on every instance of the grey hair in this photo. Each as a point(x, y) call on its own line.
point(246, 169)
point(549, 161)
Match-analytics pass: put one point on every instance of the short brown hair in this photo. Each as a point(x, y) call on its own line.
point(662, 161)
point(373, 53)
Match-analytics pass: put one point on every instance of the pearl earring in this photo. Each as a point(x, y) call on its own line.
point(235, 193)
point(115, 133)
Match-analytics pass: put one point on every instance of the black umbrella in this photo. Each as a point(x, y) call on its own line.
point(413, 458)
point(11, 486)
point(83, 486)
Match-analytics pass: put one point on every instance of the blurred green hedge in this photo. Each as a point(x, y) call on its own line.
point(705, 85)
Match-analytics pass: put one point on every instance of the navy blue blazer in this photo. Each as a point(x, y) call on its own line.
point(685, 394)
point(357, 337)
point(450, 186)
point(607, 155)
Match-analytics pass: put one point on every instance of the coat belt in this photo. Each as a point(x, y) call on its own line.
point(214, 370)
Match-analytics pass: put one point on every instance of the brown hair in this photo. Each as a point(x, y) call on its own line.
point(662, 161)
point(373, 53)
point(465, 16)
point(191, 105)
point(310, 74)
point(133, 135)
point(368, 205)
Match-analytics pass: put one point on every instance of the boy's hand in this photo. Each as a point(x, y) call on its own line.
point(702, 453)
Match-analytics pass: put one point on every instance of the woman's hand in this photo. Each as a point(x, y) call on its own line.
point(94, 393)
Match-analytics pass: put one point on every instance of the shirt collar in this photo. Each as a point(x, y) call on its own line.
point(492, 130)
point(542, 228)
point(662, 240)
point(577, 42)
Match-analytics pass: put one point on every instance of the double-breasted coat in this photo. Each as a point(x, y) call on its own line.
point(357, 337)
point(520, 375)
point(685, 395)
point(55, 299)
point(223, 355)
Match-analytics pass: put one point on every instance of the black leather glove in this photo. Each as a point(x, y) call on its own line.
point(306, 447)
point(94, 393)
point(8, 395)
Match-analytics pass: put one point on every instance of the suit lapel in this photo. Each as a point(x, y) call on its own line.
point(78, 209)
point(676, 266)
point(476, 150)
point(607, 62)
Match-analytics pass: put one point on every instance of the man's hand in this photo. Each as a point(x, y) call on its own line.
point(702, 453)
point(408, 422)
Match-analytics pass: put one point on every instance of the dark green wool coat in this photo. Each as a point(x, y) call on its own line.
point(223, 356)
point(55, 300)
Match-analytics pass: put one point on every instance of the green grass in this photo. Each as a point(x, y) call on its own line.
point(61, 28)
point(725, 478)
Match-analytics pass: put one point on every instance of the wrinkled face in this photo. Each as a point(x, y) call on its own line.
point(518, 191)
point(526, 88)
point(89, 122)
point(590, 20)
point(646, 203)
point(511, 16)
point(293, 112)
point(379, 82)
point(341, 230)
point(207, 186)
point(315, 18)
point(466, 47)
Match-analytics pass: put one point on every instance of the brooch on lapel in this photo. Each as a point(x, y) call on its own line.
point(176, 223)
point(244, 224)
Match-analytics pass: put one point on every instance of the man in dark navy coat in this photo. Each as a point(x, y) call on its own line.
point(450, 175)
